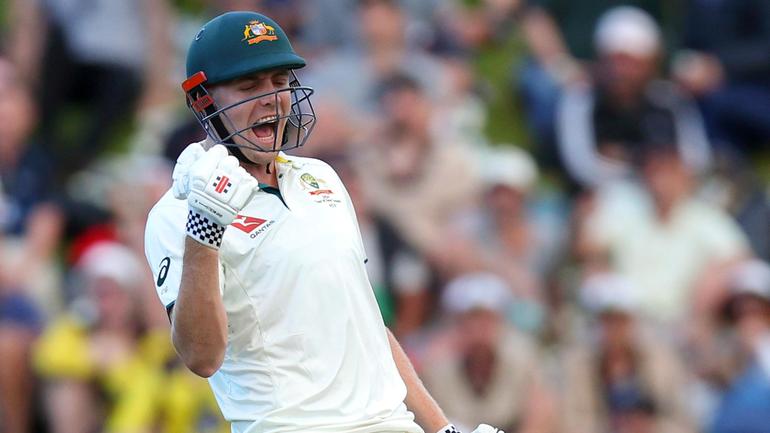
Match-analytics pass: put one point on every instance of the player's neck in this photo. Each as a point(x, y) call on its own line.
point(265, 174)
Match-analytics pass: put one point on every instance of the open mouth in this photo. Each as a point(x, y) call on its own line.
point(265, 129)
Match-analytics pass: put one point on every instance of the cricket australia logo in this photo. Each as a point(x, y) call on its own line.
point(255, 32)
point(310, 181)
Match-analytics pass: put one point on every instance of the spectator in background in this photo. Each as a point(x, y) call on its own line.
point(600, 128)
point(30, 226)
point(461, 115)
point(331, 25)
point(24, 166)
point(398, 274)
point(355, 75)
point(660, 237)
point(29, 217)
point(94, 55)
point(514, 233)
point(739, 186)
point(621, 379)
point(181, 135)
point(726, 65)
point(482, 368)
point(746, 401)
point(513, 223)
point(104, 348)
point(414, 181)
point(130, 201)
point(97, 350)
point(474, 26)
point(333, 138)
point(558, 35)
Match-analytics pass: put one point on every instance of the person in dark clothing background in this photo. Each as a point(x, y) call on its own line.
point(726, 64)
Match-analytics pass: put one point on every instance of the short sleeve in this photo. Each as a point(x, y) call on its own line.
point(354, 218)
point(164, 248)
point(351, 213)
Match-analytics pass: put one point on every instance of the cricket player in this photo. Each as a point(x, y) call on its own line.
point(258, 258)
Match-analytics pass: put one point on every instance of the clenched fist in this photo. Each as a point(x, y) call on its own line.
point(218, 188)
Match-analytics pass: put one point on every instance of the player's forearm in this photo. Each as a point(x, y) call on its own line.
point(426, 411)
point(199, 321)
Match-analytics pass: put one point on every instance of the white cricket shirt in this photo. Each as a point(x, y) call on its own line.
point(307, 349)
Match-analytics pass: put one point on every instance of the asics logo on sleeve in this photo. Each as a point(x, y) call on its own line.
point(163, 272)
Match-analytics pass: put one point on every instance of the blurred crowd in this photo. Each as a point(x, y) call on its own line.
point(564, 204)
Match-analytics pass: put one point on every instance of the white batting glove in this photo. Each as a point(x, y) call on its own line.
point(482, 428)
point(181, 175)
point(219, 189)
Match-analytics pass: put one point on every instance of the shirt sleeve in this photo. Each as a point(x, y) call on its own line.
point(352, 214)
point(164, 248)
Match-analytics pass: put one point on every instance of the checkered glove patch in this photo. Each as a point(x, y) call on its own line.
point(203, 230)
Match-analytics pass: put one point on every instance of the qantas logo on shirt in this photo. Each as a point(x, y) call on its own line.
point(251, 225)
point(247, 224)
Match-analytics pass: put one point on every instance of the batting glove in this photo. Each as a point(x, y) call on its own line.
point(482, 428)
point(219, 189)
point(181, 174)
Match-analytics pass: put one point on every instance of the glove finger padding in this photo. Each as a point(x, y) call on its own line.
point(208, 162)
point(181, 175)
point(228, 163)
point(245, 190)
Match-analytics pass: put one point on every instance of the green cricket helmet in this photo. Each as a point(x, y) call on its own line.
point(234, 45)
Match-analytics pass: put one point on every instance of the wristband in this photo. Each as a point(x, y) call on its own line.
point(204, 230)
point(449, 428)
